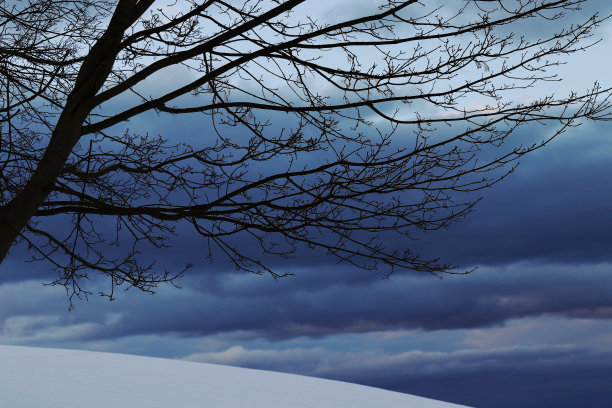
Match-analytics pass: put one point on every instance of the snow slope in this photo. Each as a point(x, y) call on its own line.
point(52, 378)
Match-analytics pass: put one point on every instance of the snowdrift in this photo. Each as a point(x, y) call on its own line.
point(52, 378)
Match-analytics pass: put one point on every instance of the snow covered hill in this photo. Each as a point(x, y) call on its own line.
point(52, 378)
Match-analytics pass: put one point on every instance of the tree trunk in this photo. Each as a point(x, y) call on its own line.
point(16, 214)
point(96, 67)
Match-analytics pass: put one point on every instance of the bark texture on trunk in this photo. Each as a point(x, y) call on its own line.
point(94, 71)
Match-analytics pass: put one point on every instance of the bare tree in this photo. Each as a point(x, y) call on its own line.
point(314, 134)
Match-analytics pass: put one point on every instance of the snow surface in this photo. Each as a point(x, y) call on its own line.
point(52, 378)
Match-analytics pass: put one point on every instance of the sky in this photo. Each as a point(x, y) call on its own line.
point(531, 327)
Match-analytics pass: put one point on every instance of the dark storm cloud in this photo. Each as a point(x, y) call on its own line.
point(488, 297)
point(15, 269)
point(260, 307)
point(554, 208)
